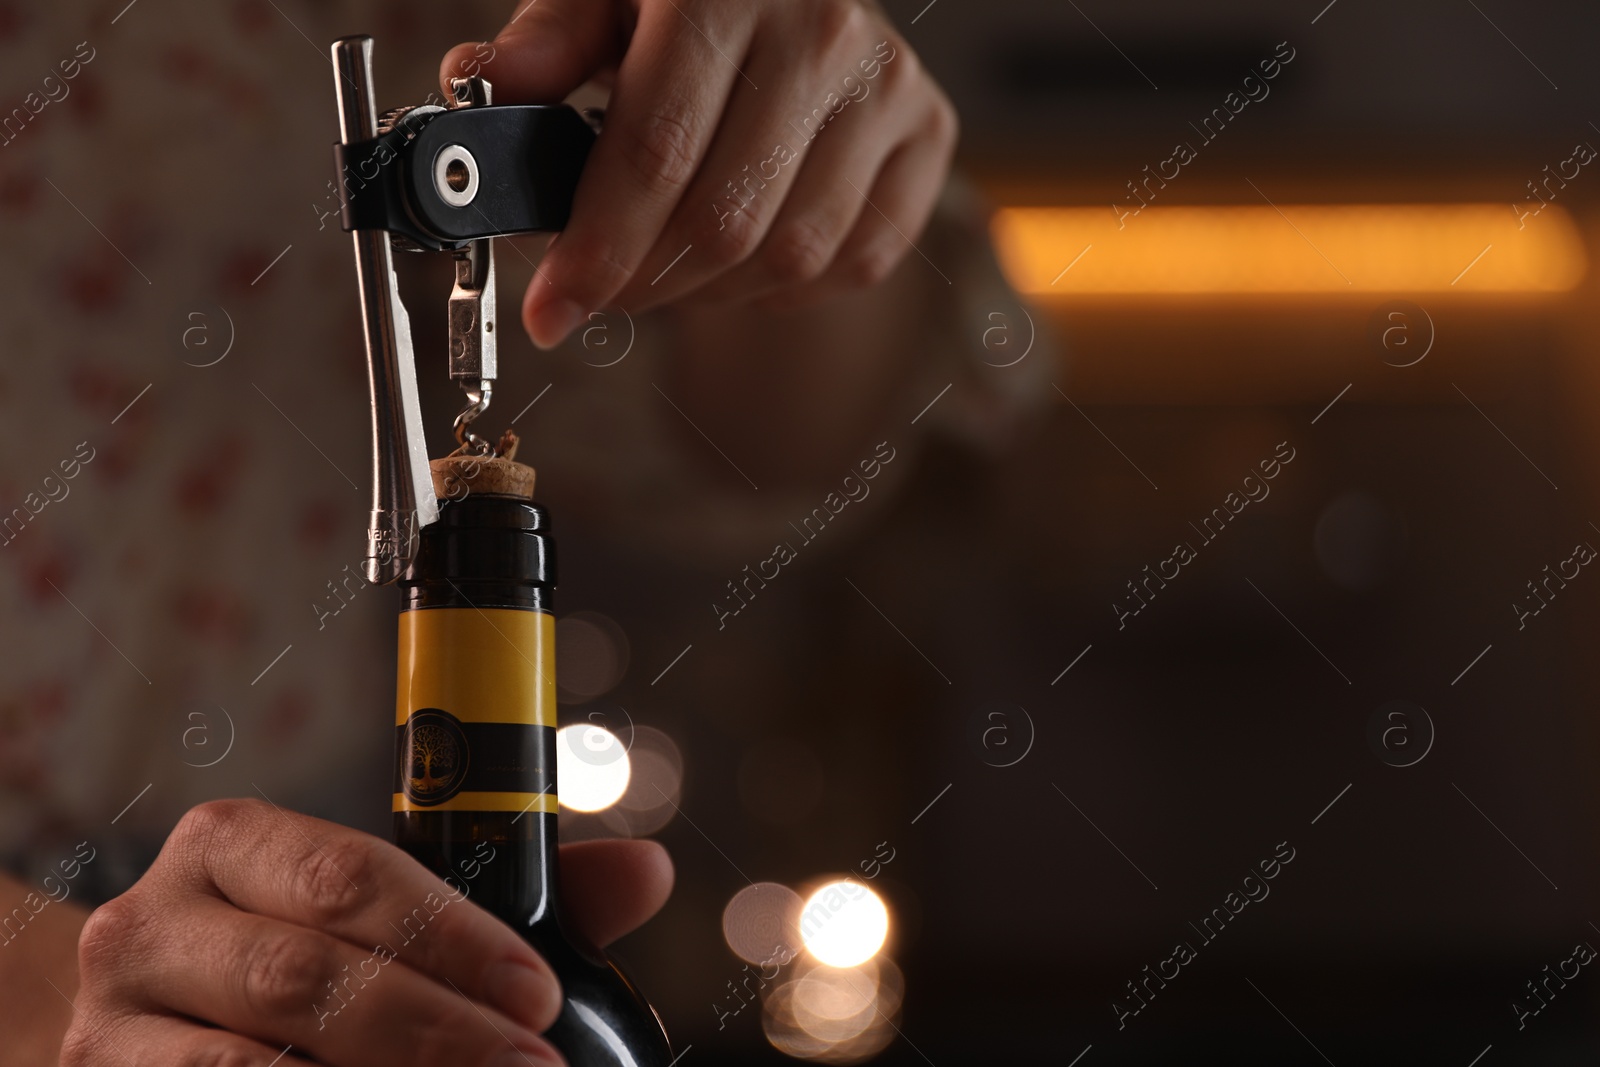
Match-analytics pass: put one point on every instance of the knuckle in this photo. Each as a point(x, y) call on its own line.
point(719, 20)
point(106, 935)
point(836, 22)
point(206, 822)
point(736, 239)
point(283, 973)
point(797, 252)
point(440, 1036)
point(326, 884)
point(662, 151)
point(946, 121)
point(80, 1047)
point(873, 264)
point(96, 1035)
point(434, 940)
point(904, 68)
point(213, 1054)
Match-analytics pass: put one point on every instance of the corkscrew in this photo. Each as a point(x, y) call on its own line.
point(440, 179)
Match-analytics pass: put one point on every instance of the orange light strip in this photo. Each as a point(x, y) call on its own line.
point(1290, 249)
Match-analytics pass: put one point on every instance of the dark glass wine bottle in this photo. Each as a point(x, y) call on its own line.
point(475, 780)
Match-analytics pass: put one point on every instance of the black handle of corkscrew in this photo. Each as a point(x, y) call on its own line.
point(443, 177)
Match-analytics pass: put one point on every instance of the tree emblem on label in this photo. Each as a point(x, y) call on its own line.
point(435, 756)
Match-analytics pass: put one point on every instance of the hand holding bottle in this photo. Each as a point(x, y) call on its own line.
point(257, 929)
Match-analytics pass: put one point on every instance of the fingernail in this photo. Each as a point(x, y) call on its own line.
point(526, 994)
point(551, 323)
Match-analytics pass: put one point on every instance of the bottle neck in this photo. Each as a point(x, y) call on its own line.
point(504, 862)
point(474, 793)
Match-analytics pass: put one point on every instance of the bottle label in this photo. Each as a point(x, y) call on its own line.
point(475, 711)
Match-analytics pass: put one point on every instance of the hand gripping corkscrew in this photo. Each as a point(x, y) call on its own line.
point(441, 179)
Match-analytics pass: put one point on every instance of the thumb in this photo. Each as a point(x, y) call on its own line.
point(548, 49)
point(611, 887)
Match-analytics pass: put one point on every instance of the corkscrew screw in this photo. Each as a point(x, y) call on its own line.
point(440, 179)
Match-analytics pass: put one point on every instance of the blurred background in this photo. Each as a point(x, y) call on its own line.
point(1043, 768)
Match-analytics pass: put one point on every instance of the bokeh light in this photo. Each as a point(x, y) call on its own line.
point(836, 1003)
point(1246, 248)
point(844, 923)
point(592, 767)
point(655, 785)
point(759, 924)
point(591, 656)
point(842, 1015)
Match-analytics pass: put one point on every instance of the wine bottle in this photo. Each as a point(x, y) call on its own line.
point(475, 712)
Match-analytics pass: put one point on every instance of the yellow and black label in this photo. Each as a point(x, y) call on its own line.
point(475, 711)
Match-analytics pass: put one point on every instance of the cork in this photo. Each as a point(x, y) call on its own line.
point(455, 477)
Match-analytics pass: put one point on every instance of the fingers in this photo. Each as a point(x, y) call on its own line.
point(172, 1043)
point(279, 983)
point(669, 98)
point(282, 931)
point(893, 215)
point(760, 152)
point(820, 210)
point(729, 206)
point(182, 1044)
point(353, 887)
point(548, 49)
point(705, 182)
point(611, 888)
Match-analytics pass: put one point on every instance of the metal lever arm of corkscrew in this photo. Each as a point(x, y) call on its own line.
point(403, 500)
point(435, 179)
